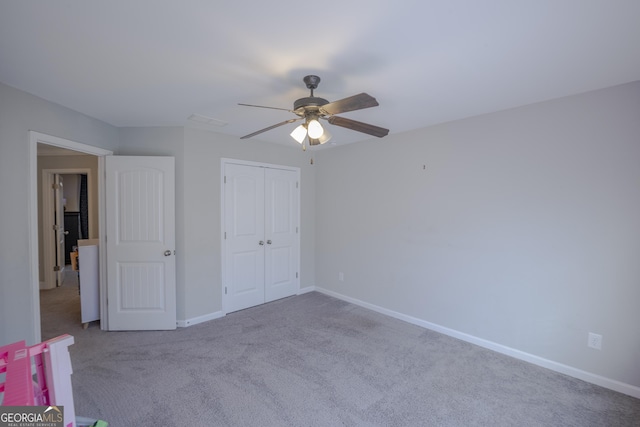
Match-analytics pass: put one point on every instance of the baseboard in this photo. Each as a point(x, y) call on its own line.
point(306, 290)
point(199, 319)
point(219, 314)
point(609, 383)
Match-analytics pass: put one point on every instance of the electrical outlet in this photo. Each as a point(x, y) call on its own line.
point(341, 276)
point(594, 341)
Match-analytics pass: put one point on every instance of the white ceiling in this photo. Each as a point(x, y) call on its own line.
point(157, 62)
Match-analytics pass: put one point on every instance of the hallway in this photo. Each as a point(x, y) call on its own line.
point(60, 308)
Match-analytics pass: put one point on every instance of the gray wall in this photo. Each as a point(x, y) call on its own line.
point(520, 227)
point(198, 241)
point(19, 113)
point(203, 153)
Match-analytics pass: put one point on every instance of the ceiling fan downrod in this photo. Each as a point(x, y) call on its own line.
point(311, 82)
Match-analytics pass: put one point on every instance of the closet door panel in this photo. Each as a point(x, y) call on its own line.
point(244, 229)
point(281, 232)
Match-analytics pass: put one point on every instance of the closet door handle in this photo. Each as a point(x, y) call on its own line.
point(268, 242)
point(261, 242)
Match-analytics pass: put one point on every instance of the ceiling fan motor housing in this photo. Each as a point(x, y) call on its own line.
point(310, 101)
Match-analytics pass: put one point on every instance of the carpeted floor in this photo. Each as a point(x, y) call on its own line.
point(313, 360)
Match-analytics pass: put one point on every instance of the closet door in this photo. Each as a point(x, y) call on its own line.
point(281, 234)
point(261, 244)
point(244, 236)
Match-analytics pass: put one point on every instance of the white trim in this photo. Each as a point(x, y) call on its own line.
point(48, 238)
point(43, 138)
point(223, 162)
point(199, 319)
point(32, 213)
point(306, 290)
point(102, 234)
point(223, 246)
point(589, 377)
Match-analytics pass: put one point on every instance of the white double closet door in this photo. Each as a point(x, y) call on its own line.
point(261, 235)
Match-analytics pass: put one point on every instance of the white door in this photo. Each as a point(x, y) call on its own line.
point(140, 222)
point(281, 233)
point(244, 230)
point(261, 235)
point(58, 203)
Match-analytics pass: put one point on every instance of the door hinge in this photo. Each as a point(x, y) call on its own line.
point(296, 184)
point(296, 230)
point(225, 235)
point(225, 179)
point(296, 274)
point(56, 268)
point(225, 290)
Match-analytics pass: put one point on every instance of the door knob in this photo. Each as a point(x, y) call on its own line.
point(261, 242)
point(66, 232)
point(268, 242)
point(167, 253)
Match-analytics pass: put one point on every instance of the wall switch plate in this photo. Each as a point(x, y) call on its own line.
point(594, 341)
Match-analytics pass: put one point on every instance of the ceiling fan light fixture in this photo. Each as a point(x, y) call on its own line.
point(299, 133)
point(325, 137)
point(315, 129)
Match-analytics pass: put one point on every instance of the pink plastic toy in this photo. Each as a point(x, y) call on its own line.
point(39, 375)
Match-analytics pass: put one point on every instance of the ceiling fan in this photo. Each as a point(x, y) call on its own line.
point(311, 109)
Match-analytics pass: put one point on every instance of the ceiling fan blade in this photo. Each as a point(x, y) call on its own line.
point(358, 126)
point(352, 103)
point(271, 127)
point(262, 106)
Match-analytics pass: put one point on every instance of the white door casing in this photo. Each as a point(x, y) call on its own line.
point(260, 233)
point(59, 226)
point(140, 223)
point(36, 138)
point(52, 216)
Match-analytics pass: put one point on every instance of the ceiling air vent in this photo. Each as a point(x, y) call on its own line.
point(198, 118)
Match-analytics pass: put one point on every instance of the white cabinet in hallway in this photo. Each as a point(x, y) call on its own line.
point(89, 281)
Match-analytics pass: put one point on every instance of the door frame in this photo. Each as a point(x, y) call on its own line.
point(32, 213)
point(223, 162)
point(47, 207)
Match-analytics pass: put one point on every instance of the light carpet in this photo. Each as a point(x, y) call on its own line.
point(313, 360)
